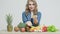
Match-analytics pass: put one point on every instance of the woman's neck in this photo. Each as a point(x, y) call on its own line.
point(31, 11)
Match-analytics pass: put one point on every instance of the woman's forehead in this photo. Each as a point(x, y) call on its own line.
point(31, 2)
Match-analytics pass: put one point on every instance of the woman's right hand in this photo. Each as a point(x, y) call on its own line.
point(29, 23)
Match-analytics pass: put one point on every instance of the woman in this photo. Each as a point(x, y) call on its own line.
point(31, 14)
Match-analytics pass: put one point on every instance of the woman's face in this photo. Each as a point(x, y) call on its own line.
point(31, 6)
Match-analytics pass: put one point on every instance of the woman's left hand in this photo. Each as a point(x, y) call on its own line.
point(35, 21)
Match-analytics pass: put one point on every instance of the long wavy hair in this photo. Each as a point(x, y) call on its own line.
point(27, 7)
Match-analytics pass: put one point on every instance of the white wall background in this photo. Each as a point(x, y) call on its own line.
point(49, 9)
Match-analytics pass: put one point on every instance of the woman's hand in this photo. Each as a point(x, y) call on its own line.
point(34, 16)
point(29, 23)
point(35, 19)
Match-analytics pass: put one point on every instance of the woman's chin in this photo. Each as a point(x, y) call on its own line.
point(31, 9)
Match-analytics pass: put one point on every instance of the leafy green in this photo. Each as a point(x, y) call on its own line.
point(21, 25)
point(51, 28)
point(9, 19)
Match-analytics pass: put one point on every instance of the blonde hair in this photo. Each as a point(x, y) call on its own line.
point(27, 8)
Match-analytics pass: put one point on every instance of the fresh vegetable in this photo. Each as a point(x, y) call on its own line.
point(21, 25)
point(51, 28)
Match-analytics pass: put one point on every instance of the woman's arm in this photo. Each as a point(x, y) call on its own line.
point(24, 18)
point(37, 18)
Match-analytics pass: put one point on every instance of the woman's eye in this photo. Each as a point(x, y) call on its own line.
point(29, 4)
point(33, 4)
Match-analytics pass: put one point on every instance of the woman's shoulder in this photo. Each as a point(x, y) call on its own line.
point(23, 12)
point(38, 12)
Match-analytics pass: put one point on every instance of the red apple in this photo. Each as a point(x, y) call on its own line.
point(44, 28)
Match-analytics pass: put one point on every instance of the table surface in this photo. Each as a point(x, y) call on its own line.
point(13, 32)
point(29, 32)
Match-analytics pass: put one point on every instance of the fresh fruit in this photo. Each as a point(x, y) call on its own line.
point(27, 28)
point(22, 29)
point(44, 28)
point(16, 29)
point(31, 30)
point(9, 28)
point(51, 28)
point(34, 29)
point(9, 22)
